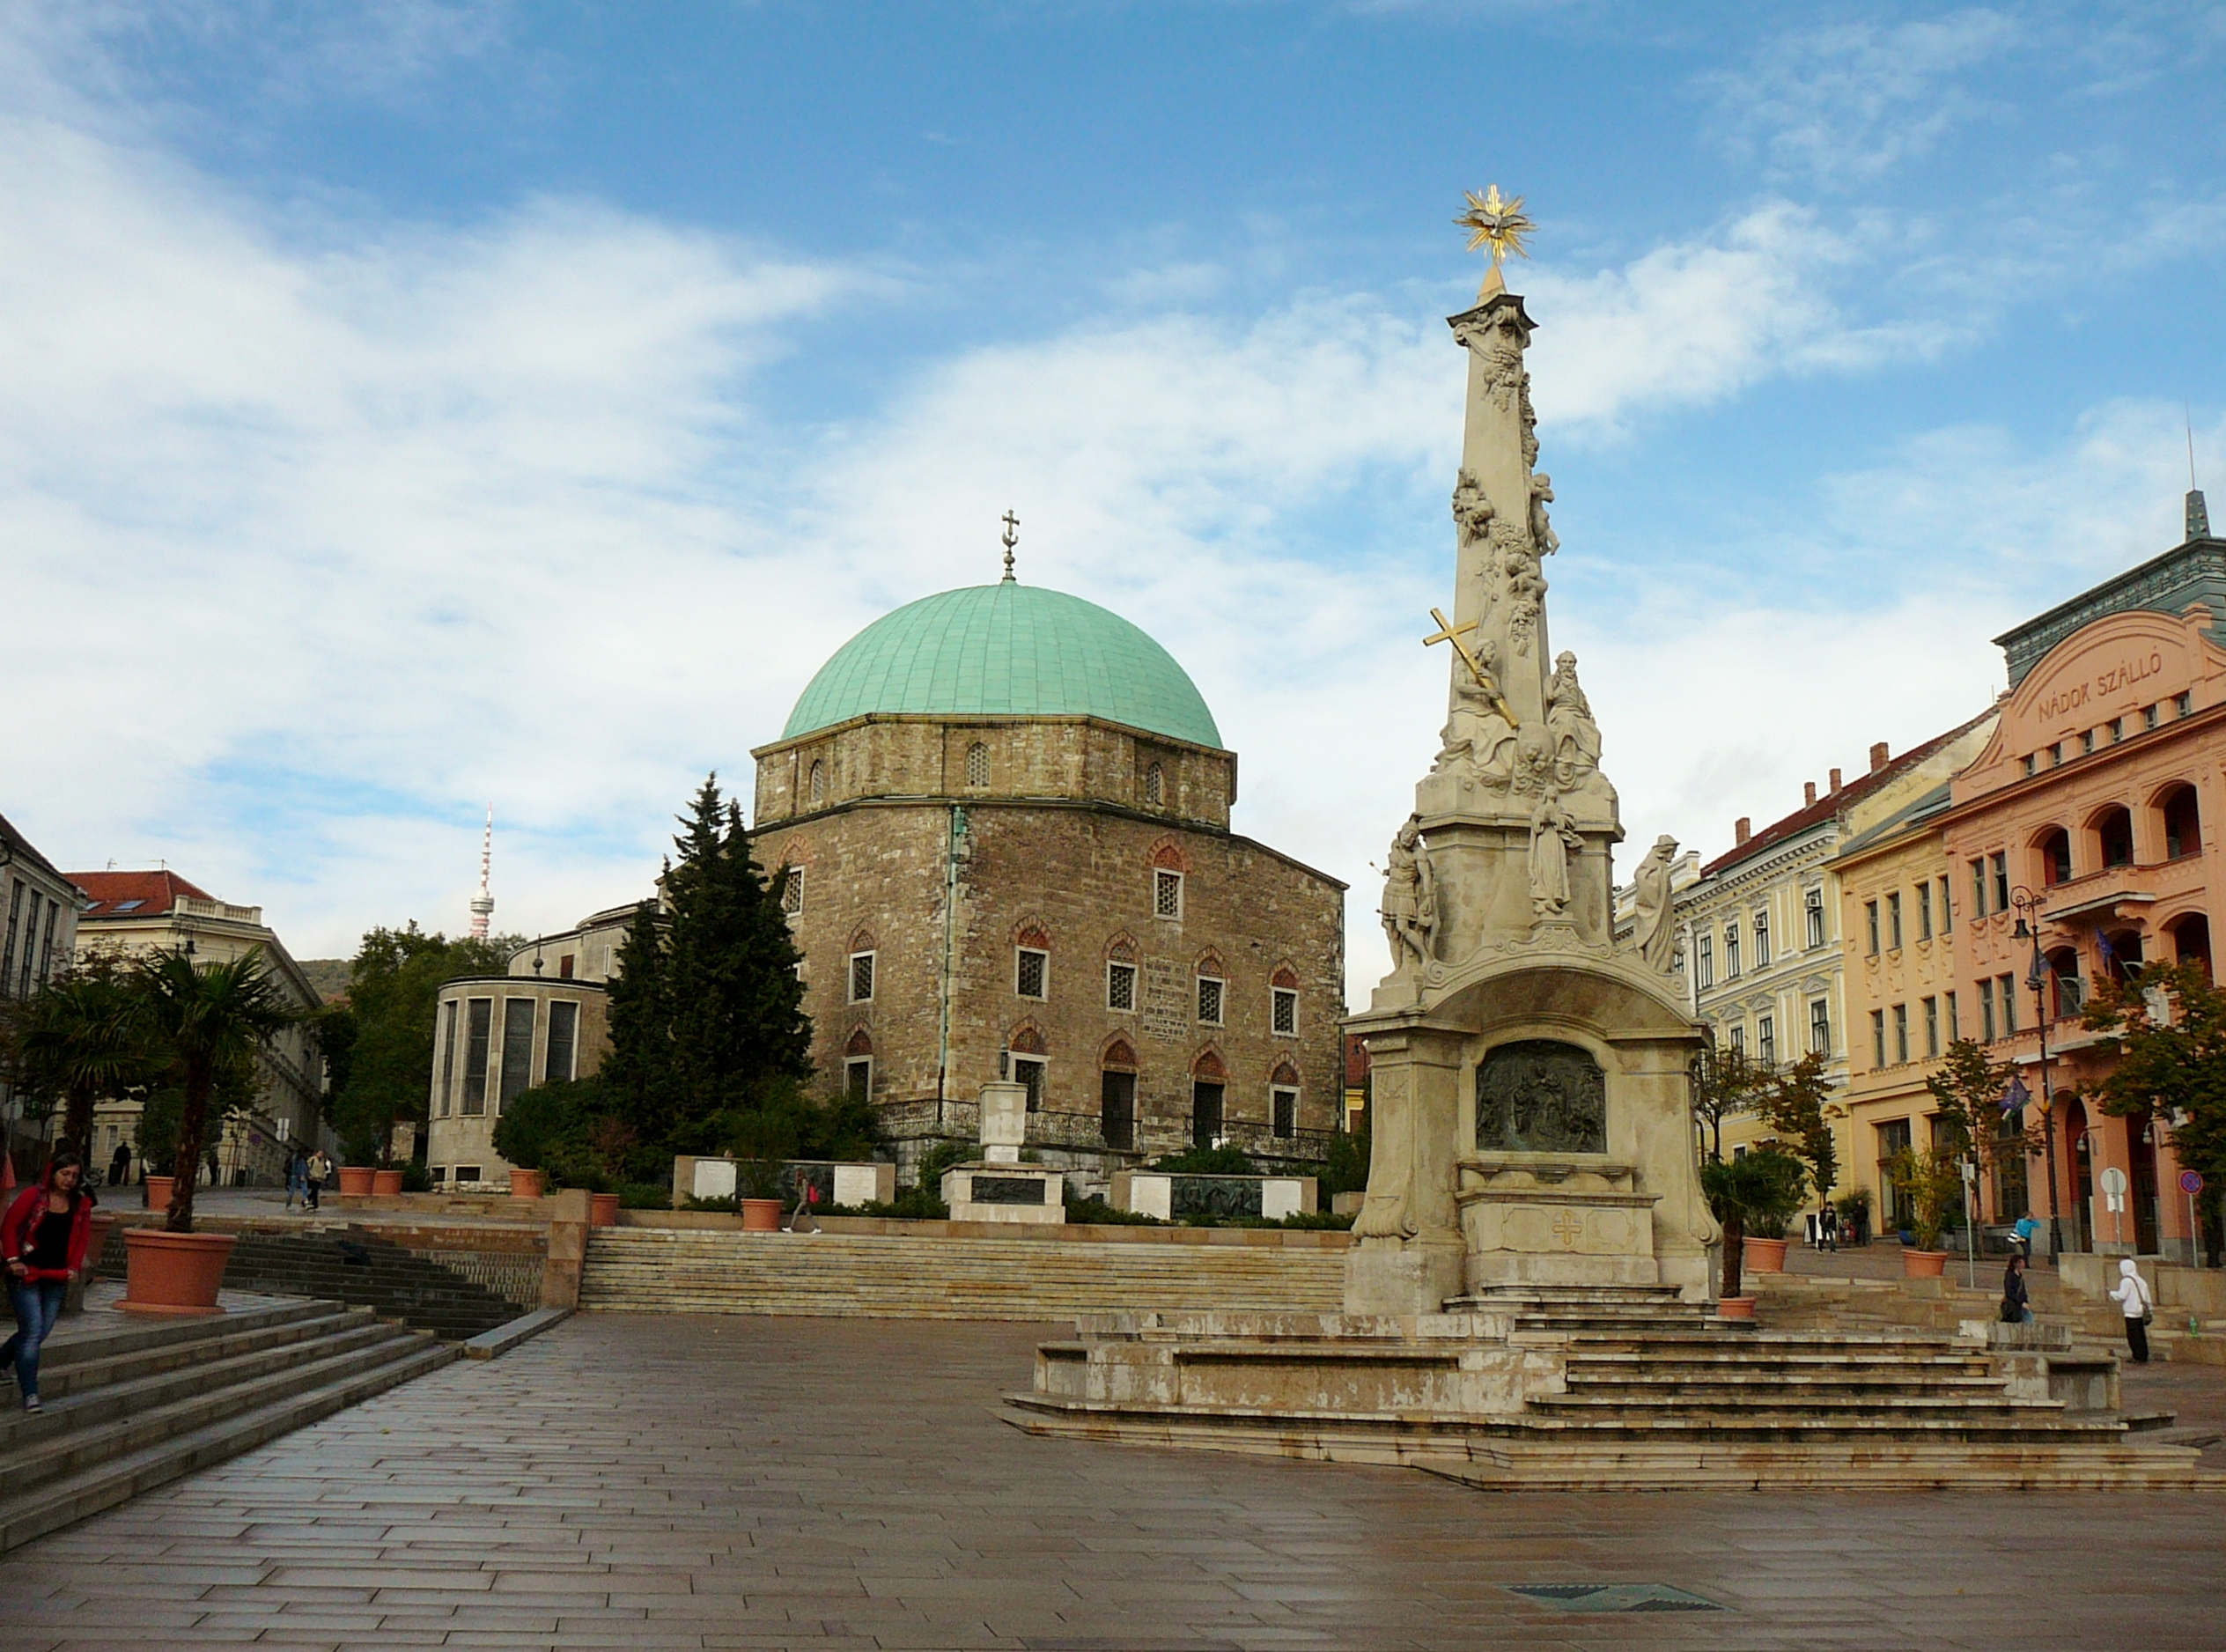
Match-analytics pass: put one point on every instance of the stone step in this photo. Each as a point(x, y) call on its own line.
point(73, 1449)
point(1806, 1409)
point(201, 1439)
point(1866, 1468)
point(74, 1361)
point(1734, 1381)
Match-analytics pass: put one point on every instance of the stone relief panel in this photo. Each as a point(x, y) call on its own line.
point(1541, 1095)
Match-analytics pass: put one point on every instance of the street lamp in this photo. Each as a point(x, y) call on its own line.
point(2028, 905)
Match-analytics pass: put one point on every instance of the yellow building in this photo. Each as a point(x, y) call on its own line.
point(1898, 910)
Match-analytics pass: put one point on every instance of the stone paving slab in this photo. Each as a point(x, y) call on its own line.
point(629, 1481)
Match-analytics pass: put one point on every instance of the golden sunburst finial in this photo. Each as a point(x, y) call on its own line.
point(1498, 223)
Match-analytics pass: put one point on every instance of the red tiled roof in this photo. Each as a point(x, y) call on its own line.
point(1824, 808)
point(157, 892)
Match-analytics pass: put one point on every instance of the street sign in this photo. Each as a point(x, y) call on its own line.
point(2191, 1183)
point(2113, 1181)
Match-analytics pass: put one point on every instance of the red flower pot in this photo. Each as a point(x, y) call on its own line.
point(159, 1191)
point(357, 1179)
point(525, 1183)
point(602, 1210)
point(1766, 1256)
point(1735, 1308)
point(1923, 1264)
point(384, 1182)
point(761, 1215)
point(175, 1273)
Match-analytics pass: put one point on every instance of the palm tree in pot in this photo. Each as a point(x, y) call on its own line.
point(1756, 1192)
point(80, 1037)
point(210, 1022)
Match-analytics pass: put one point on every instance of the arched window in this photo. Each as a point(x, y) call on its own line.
point(2070, 989)
point(818, 784)
point(2191, 940)
point(2114, 833)
point(977, 765)
point(1154, 786)
point(2055, 850)
point(2183, 822)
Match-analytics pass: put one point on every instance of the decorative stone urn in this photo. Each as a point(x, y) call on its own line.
point(174, 1274)
point(525, 1183)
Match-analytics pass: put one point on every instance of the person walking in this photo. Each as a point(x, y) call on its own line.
point(1828, 1225)
point(2016, 1308)
point(319, 1173)
point(43, 1240)
point(2138, 1304)
point(119, 1166)
point(297, 1179)
point(2021, 1234)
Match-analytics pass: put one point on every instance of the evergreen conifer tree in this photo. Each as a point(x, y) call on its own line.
point(707, 1017)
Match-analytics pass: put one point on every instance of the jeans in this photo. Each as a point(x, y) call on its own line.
point(38, 1304)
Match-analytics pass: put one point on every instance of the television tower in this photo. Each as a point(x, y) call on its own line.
point(482, 904)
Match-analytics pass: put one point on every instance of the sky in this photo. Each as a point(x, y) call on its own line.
point(412, 406)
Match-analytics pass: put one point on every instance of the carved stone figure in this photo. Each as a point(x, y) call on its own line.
point(1575, 736)
point(1410, 911)
point(1541, 1095)
point(1477, 736)
point(1553, 834)
point(1542, 534)
point(1656, 936)
point(1472, 510)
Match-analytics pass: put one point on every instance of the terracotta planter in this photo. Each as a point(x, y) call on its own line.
point(357, 1179)
point(159, 1191)
point(1766, 1255)
point(385, 1181)
point(525, 1183)
point(175, 1273)
point(1923, 1264)
point(602, 1210)
point(103, 1225)
point(761, 1215)
point(1735, 1308)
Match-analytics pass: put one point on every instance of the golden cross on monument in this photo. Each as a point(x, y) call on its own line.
point(1498, 223)
point(1012, 538)
point(1449, 632)
point(1568, 1227)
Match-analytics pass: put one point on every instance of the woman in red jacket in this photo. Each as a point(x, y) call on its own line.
point(43, 1240)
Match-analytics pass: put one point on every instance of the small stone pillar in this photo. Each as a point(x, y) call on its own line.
point(998, 1187)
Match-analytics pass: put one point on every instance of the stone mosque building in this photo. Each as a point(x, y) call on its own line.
point(1006, 811)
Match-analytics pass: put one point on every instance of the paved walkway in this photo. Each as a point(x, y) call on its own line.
point(640, 1482)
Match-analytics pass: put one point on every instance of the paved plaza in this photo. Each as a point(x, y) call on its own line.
point(656, 1482)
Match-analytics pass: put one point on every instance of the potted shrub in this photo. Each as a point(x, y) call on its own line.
point(1931, 1181)
point(541, 1128)
point(1760, 1190)
point(210, 1022)
point(757, 1187)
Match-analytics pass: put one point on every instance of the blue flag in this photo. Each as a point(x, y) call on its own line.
point(2016, 1095)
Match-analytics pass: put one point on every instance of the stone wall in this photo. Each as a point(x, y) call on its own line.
point(1077, 880)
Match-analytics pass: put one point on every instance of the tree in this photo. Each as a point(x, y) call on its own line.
point(708, 1028)
point(80, 1037)
point(1970, 1090)
point(2172, 1025)
point(1724, 1082)
point(379, 1044)
point(1791, 1101)
point(210, 1023)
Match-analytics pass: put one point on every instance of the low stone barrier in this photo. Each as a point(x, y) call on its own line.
point(1172, 1195)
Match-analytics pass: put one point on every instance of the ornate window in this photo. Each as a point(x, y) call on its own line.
point(1283, 1015)
point(1166, 893)
point(1893, 918)
point(1766, 1040)
point(1731, 950)
point(1031, 972)
point(862, 978)
point(1813, 904)
point(792, 891)
point(1541, 1095)
point(1820, 1026)
point(1211, 989)
point(1120, 986)
point(1924, 910)
point(1706, 964)
point(1154, 786)
point(977, 765)
point(818, 784)
point(1283, 1109)
point(1762, 940)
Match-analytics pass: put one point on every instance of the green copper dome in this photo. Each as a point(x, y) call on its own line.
point(1005, 650)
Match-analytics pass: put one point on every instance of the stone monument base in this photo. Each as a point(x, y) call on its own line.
point(1546, 1220)
point(983, 1191)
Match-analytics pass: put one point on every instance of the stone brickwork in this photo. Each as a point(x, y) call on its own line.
point(944, 888)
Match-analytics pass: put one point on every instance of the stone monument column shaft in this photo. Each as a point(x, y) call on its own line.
point(1493, 433)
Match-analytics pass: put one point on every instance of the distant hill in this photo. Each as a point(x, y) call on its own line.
point(328, 976)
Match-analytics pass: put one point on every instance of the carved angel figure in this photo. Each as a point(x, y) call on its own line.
point(1542, 534)
point(1410, 911)
point(1656, 936)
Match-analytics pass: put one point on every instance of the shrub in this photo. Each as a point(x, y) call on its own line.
point(415, 1178)
point(1344, 1169)
point(1095, 1211)
point(1208, 1161)
point(912, 1203)
point(1933, 1180)
point(728, 1205)
point(941, 1157)
point(644, 1196)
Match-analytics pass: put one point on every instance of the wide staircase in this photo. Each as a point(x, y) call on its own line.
point(350, 1266)
point(653, 1270)
point(132, 1405)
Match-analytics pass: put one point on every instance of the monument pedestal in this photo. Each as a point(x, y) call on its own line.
point(997, 1186)
point(1541, 1218)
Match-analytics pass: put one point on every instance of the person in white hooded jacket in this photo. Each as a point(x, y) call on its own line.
point(2137, 1302)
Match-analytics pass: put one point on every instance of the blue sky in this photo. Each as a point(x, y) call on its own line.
point(417, 404)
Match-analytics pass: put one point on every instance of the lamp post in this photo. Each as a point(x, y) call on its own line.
point(2028, 905)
